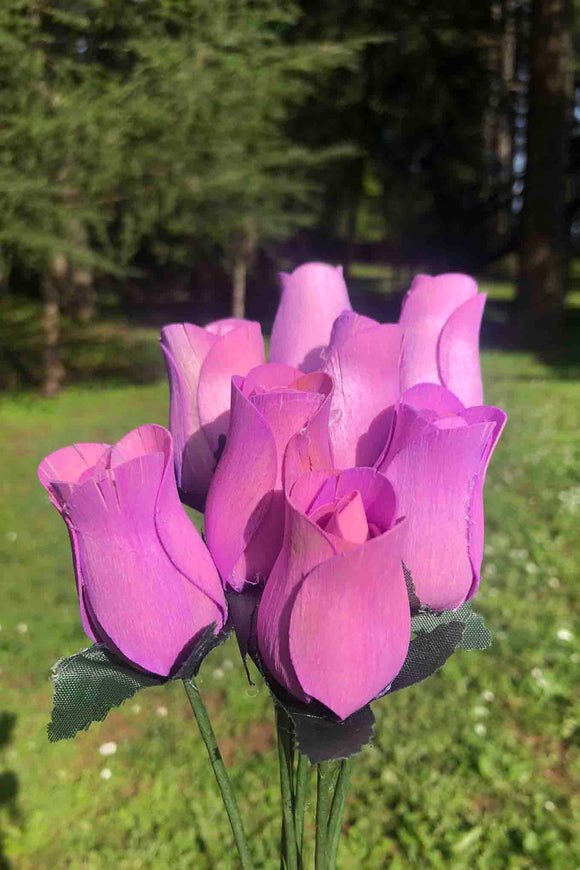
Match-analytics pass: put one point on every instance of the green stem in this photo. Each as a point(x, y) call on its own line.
point(302, 771)
point(286, 759)
point(336, 812)
point(220, 772)
point(324, 786)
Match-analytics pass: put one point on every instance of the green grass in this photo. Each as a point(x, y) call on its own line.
point(476, 768)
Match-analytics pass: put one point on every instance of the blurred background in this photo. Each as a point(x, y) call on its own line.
point(161, 160)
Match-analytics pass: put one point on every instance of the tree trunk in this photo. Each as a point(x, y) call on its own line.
point(51, 282)
point(81, 288)
point(244, 246)
point(354, 197)
point(543, 241)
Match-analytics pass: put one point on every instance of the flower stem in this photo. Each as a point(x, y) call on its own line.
point(286, 759)
point(324, 786)
point(336, 812)
point(220, 772)
point(302, 771)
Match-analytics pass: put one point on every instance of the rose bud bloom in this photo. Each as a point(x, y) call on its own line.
point(200, 364)
point(440, 320)
point(334, 620)
point(312, 298)
point(363, 360)
point(146, 583)
point(437, 460)
point(244, 517)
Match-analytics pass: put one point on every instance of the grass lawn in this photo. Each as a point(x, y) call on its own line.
point(476, 768)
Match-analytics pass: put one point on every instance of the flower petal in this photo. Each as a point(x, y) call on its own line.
point(144, 606)
point(59, 473)
point(477, 518)
point(67, 466)
point(241, 488)
point(235, 353)
point(364, 365)
point(350, 625)
point(376, 492)
point(434, 476)
point(312, 298)
point(426, 308)
point(305, 546)
point(185, 346)
point(458, 351)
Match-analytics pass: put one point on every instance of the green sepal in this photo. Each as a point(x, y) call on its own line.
point(88, 685)
point(95, 680)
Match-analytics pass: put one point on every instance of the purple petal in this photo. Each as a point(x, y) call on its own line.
point(477, 519)
point(224, 325)
point(185, 346)
point(426, 308)
point(235, 353)
point(350, 625)
point(60, 473)
point(242, 487)
point(144, 605)
point(432, 397)
point(348, 520)
point(364, 365)
point(269, 376)
point(310, 448)
point(347, 324)
point(312, 298)
point(434, 476)
point(458, 351)
point(305, 546)
point(285, 414)
point(68, 466)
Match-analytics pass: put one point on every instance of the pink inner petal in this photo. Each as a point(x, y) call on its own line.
point(349, 520)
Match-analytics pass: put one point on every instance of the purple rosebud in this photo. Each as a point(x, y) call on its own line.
point(147, 585)
point(312, 298)
point(244, 517)
point(200, 364)
point(363, 360)
point(440, 320)
point(436, 460)
point(334, 620)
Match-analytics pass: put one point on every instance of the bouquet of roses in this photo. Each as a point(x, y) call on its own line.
point(342, 490)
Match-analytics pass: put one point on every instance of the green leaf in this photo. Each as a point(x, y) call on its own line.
point(88, 685)
point(437, 636)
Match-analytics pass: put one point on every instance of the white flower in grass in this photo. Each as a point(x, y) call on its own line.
point(518, 554)
point(554, 582)
point(136, 708)
point(218, 673)
point(106, 773)
point(11, 536)
point(480, 729)
point(538, 676)
point(480, 711)
point(22, 628)
point(564, 634)
point(162, 711)
point(107, 749)
point(488, 696)
point(550, 806)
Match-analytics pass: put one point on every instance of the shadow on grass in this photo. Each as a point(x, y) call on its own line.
point(8, 783)
point(103, 351)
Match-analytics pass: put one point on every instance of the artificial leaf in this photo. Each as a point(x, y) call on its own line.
point(88, 685)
